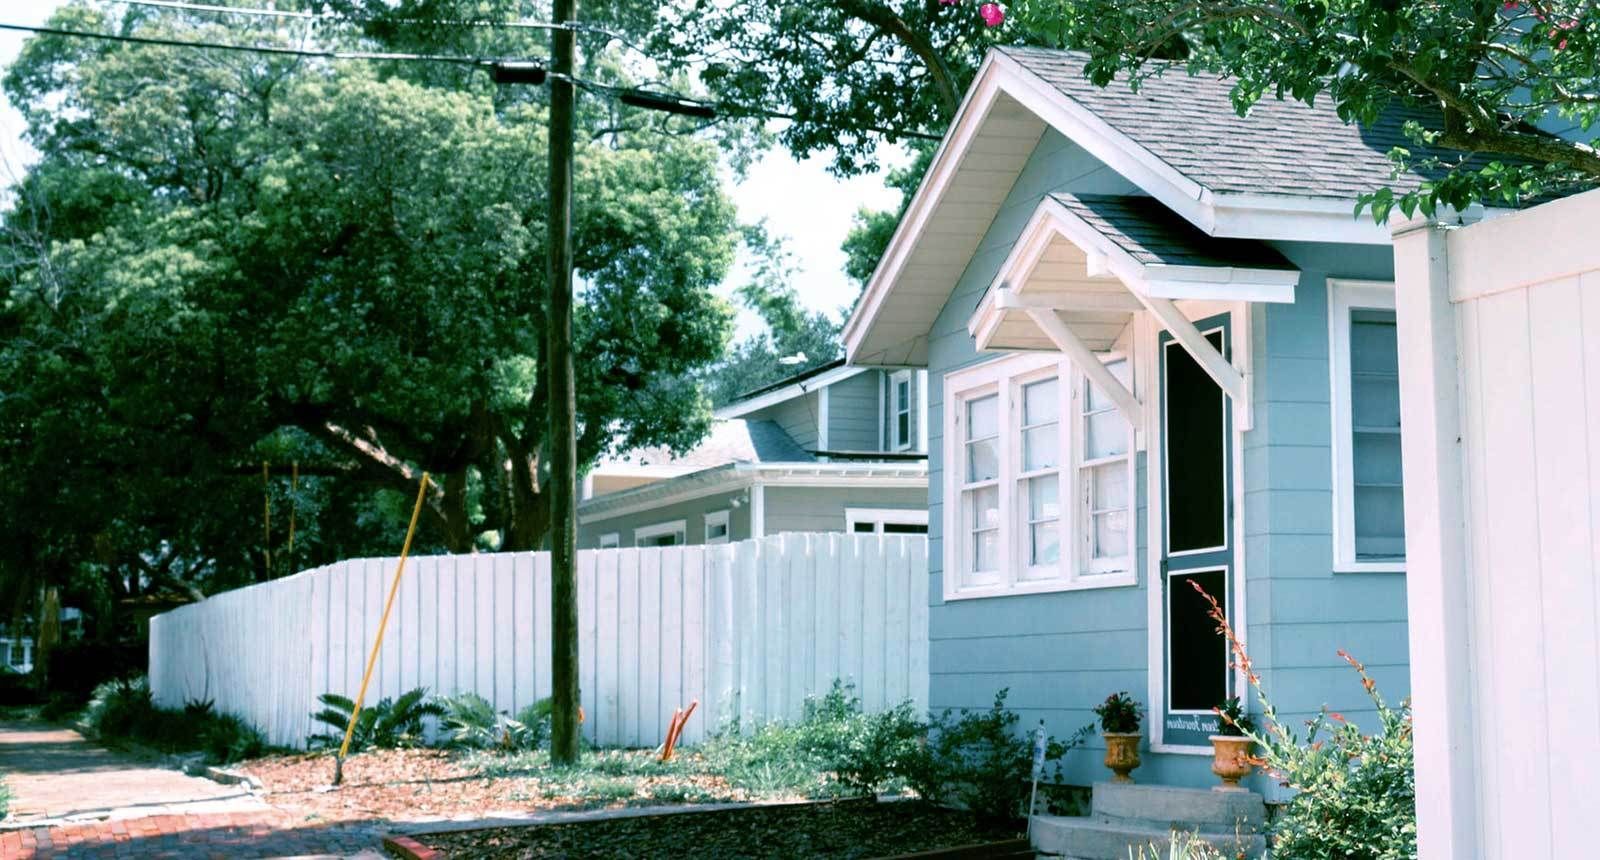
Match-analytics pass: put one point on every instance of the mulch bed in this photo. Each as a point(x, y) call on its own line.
point(845, 829)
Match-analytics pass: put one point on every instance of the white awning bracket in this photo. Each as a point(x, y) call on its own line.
point(1235, 383)
point(1050, 322)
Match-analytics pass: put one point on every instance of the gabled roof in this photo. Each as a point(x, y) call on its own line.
point(730, 441)
point(789, 388)
point(1281, 148)
point(1153, 234)
point(1285, 172)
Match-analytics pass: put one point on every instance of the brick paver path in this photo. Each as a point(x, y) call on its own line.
point(89, 802)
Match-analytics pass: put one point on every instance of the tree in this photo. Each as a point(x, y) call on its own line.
point(796, 338)
point(280, 227)
point(1496, 77)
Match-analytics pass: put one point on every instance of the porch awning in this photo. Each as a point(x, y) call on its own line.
point(1085, 265)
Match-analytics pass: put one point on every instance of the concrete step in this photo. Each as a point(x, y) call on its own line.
point(1101, 838)
point(1167, 807)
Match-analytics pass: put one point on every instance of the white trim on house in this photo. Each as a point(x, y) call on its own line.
point(897, 379)
point(740, 408)
point(1256, 216)
point(737, 476)
point(1343, 297)
point(611, 540)
point(758, 511)
point(713, 520)
point(878, 517)
point(922, 411)
point(822, 418)
point(679, 529)
point(1003, 378)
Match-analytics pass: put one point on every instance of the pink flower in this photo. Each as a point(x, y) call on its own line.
point(992, 14)
point(948, 2)
point(1561, 45)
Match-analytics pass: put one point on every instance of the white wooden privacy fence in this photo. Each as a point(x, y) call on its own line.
point(749, 629)
point(1500, 375)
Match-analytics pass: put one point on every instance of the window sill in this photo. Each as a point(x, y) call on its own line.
point(1370, 567)
point(1083, 583)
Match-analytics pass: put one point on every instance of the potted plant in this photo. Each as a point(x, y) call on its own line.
point(1119, 724)
point(1231, 757)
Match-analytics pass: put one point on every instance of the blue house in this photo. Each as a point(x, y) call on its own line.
point(1161, 353)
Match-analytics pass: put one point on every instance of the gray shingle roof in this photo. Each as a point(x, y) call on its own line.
point(1279, 148)
point(730, 441)
point(1152, 233)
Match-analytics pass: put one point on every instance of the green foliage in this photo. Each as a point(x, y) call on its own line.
point(980, 760)
point(385, 724)
point(1476, 80)
point(471, 723)
point(1182, 846)
point(1119, 714)
point(1234, 721)
point(123, 711)
point(1355, 793)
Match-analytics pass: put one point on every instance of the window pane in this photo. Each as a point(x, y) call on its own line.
point(1044, 543)
point(1040, 402)
point(905, 528)
point(1097, 399)
point(983, 460)
point(984, 508)
point(1110, 534)
point(1042, 498)
point(1041, 448)
point(903, 427)
point(1105, 435)
point(1375, 443)
point(1110, 486)
point(864, 528)
point(1377, 458)
point(902, 393)
point(986, 550)
point(983, 417)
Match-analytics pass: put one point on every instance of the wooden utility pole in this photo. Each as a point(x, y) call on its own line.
point(563, 448)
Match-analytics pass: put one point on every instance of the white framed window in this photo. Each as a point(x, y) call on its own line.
point(900, 410)
point(1039, 480)
point(717, 527)
point(661, 534)
point(885, 521)
point(610, 540)
point(1364, 364)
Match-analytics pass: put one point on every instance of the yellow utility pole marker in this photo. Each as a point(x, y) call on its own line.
point(394, 588)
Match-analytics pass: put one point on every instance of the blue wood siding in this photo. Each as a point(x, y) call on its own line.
point(853, 413)
point(1061, 653)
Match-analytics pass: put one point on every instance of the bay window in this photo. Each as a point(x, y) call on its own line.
point(1039, 479)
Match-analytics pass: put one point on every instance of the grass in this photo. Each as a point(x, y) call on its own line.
point(5, 799)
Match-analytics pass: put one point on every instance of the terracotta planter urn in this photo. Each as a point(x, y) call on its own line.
point(1230, 760)
point(1122, 754)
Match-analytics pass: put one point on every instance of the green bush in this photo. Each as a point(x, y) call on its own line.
point(124, 711)
point(980, 760)
point(470, 722)
point(1355, 794)
point(385, 724)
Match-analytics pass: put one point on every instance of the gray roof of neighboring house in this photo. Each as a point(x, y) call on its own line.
point(1152, 233)
point(730, 441)
point(1281, 147)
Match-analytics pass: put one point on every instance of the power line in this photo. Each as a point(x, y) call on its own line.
point(216, 9)
point(643, 98)
point(250, 49)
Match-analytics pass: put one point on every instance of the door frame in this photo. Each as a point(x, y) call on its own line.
point(1241, 343)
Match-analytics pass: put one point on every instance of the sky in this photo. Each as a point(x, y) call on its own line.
point(799, 200)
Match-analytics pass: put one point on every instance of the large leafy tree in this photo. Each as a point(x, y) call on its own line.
point(1513, 87)
point(234, 254)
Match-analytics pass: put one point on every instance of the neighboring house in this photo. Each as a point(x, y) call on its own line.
point(1162, 353)
point(833, 449)
point(17, 654)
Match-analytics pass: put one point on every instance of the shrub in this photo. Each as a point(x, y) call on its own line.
point(1355, 794)
point(1119, 714)
point(979, 760)
point(124, 710)
point(883, 749)
point(385, 724)
point(472, 723)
